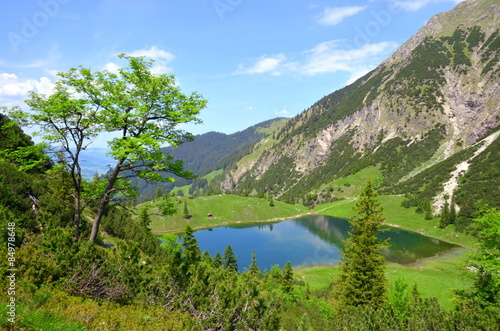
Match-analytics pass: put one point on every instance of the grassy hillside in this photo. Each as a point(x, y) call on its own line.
point(402, 217)
point(435, 277)
point(226, 209)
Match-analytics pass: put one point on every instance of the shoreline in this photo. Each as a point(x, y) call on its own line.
point(218, 225)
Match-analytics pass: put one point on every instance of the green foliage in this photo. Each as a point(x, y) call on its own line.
point(399, 297)
point(484, 265)
point(191, 251)
point(18, 148)
point(479, 186)
point(362, 280)
point(186, 210)
point(86, 104)
point(27, 319)
point(206, 153)
point(217, 260)
point(254, 268)
point(288, 281)
point(229, 261)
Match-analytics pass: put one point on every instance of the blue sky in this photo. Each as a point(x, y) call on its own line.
point(252, 59)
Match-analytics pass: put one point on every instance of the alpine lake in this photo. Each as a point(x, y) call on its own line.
point(313, 240)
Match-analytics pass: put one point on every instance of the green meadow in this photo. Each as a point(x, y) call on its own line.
point(226, 209)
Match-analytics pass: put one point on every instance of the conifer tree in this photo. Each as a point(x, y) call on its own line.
point(191, 249)
point(254, 268)
point(445, 216)
point(362, 280)
point(288, 278)
point(217, 261)
point(428, 209)
point(145, 220)
point(186, 210)
point(229, 261)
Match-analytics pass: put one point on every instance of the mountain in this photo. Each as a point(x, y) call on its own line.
point(425, 117)
point(210, 152)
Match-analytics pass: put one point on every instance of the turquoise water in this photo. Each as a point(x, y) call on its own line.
point(309, 241)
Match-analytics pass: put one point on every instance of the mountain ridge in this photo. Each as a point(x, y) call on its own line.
point(437, 95)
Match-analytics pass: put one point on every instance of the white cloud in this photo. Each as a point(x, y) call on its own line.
point(154, 53)
point(160, 56)
point(335, 15)
point(414, 5)
point(328, 57)
point(265, 64)
point(13, 86)
point(112, 67)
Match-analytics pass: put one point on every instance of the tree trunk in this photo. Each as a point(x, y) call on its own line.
point(104, 201)
point(77, 218)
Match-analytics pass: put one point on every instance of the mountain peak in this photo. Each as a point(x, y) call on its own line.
point(430, 102)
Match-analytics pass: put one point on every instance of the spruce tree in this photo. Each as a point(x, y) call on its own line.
point(445, 216)
point(217, 261)
point(192, 252)
point(288, 278)
point(145, 220)
point(362, 280)
point(186, 210)
point(254, 268)
point(229, 261)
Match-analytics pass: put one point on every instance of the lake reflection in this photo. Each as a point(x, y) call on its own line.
point(309, 241)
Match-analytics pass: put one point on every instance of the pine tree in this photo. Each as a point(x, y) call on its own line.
point(428, 209)
point(191, 249)
point(229, 261)
point(362, 280)
point(217, 261)
point(254, 268)
point(288, 278)
point(186, 210)
point(445, 216)
point(145, 220)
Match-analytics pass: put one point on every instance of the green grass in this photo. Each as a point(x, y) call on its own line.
point(398, 216)
point(213, 174)
point(226, 209)
point(352, 185)
point(435, 277)
point(28, 319)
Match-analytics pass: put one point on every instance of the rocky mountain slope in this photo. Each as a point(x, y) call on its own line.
point(434, 101)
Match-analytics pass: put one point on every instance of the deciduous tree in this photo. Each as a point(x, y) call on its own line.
point(142, 110)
